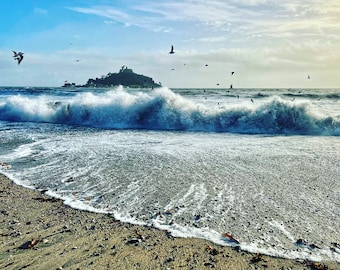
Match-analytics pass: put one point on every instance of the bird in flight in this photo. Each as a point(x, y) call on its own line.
point(18, 56)
point(172, 50)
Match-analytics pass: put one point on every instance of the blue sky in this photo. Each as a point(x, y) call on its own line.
point(268, 43)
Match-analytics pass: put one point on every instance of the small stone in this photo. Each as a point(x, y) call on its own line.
point(336, 244)
point(135, 241)
point(257, 258)
point(214, 252)
point(313, 246)
point(170, 259)
point(210, 265)
point(168, 234)
point(198, 217)
point(301, 242)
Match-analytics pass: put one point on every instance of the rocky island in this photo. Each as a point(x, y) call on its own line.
point(125, 77)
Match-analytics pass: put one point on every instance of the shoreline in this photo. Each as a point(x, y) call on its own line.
point(41, 232)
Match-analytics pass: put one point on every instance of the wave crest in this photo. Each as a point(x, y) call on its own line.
point(162, 109)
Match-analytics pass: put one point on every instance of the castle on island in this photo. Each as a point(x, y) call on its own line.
point(125, 77)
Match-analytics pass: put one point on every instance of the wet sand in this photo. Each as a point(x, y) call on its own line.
point(40, 232)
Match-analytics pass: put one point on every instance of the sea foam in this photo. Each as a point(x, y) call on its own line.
point(162, 109)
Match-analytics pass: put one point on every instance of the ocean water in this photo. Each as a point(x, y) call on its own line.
point(261, 165)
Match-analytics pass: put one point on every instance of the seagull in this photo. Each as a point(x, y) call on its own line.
point(172, 50)
point(18, 56)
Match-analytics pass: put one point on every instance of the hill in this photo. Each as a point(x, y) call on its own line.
point(125, 77)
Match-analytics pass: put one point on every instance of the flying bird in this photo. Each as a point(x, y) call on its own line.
point(172, 50)
point(18, 56)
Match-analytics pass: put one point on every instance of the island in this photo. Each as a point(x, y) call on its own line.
point(125, 77)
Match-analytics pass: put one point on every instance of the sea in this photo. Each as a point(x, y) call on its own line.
point(255, 169)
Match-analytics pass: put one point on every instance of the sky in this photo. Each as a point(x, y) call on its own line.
point(267, 43)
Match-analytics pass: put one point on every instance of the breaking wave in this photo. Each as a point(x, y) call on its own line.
point(163, 109)
point(331, 96)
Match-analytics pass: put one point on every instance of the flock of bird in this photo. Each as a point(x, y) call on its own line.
point(172, 52)
point(232, 73)
point(19, 56)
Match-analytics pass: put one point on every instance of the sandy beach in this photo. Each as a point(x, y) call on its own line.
point(40, 232)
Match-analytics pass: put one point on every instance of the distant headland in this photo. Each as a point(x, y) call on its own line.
point(125, 77)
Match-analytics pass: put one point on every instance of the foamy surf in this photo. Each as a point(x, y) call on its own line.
point(163, 109)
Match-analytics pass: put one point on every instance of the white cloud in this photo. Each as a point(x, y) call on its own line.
point(247, 19)
point(210, 39)
point(106, 12)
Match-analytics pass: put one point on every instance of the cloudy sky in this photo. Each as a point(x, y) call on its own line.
point(268, 43)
